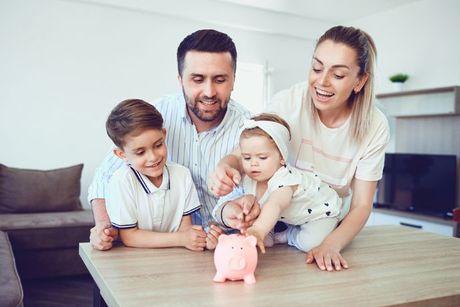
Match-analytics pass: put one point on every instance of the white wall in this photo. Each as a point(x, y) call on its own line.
point(420, 39)
point(65, 64)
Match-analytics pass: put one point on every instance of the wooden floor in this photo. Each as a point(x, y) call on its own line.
point(64, 291)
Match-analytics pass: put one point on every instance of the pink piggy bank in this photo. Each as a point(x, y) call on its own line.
point(235, 258)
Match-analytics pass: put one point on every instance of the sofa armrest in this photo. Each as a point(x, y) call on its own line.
point(11, 293)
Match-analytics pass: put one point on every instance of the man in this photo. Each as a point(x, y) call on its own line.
point(202, 125)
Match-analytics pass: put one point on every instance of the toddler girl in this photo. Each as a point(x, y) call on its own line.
point(298, 198)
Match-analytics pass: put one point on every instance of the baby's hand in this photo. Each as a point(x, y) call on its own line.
point(252, 231)
point(194, 238)
point(212, 236)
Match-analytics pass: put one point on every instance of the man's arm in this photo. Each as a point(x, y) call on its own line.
point(102, 234)
point(226, 175)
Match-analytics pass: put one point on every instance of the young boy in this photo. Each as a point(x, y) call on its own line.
point(149, 199)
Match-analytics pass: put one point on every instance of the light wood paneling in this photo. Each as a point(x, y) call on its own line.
point(430, 135)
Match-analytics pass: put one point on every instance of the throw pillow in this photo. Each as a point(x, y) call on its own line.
point(30, 191)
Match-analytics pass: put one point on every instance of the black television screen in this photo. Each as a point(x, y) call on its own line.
point(424, 184)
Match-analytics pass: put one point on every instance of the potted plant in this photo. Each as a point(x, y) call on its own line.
point(398, 80)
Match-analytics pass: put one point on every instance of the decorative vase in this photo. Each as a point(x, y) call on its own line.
point(397, 86)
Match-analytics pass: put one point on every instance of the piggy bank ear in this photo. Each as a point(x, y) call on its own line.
point(222, 238)
point(251, 240)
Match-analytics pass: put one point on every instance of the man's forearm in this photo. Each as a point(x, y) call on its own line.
point(101, 217)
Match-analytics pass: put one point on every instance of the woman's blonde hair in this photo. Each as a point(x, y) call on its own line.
point(361, 103)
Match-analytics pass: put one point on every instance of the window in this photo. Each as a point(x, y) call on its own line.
point(252, 86)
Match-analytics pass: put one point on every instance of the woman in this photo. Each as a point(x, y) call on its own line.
point(337, 132)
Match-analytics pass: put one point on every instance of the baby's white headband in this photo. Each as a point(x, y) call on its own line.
point(279, 133)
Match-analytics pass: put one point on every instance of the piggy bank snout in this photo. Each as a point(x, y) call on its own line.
point(237, 263)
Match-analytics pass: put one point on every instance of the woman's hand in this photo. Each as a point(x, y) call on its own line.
point(241, 212)
point(327, 257)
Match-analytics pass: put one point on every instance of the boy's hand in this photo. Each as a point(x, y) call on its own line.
point(194, 238)
point(102, 236)
point(252, 231)
point(212, 237)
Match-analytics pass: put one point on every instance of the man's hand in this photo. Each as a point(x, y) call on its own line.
point(212, 237)
point(241, 212)
point(194, 238)
point(223, 179)
point(102, 236)
point(327, 257)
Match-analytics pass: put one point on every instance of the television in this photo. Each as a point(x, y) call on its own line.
point(418, 183)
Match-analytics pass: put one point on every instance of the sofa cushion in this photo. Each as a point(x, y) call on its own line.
point(10, 285)
point(47, 230)
point(28, 191)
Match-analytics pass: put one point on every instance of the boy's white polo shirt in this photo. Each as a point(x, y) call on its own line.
point(134, 201)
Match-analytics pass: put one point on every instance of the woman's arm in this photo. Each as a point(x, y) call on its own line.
point(327, 255)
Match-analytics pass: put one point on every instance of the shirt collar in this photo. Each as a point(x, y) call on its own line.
point(148, 186)
point(182, 110)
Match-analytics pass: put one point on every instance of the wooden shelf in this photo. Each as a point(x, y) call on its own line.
point(427, 102)
point(419, 92)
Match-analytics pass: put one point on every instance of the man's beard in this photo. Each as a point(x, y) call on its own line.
point(206, 117)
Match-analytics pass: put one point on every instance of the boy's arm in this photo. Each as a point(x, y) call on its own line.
point(135, 237)
point(190, 236)
point(270, 213)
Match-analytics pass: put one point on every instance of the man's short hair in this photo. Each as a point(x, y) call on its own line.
point(132, 116)
point(206, 40)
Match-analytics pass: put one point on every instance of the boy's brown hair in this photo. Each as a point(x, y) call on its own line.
point(132, 116)
point(259, 132)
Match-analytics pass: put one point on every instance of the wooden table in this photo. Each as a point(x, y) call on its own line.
point(390, 265)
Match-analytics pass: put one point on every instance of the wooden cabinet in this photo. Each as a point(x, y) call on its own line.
point(391, 217)
point(424, 122)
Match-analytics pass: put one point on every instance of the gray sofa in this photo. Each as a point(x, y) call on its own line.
point(46, 244)
point(41, 223)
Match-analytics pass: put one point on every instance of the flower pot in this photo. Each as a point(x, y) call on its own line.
point(397, 86)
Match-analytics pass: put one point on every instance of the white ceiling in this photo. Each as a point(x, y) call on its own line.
point(334, 11)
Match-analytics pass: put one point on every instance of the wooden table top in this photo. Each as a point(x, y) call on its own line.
point(389, 265)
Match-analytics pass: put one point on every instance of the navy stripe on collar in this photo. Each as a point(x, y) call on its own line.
point(141, 181)
point(192, 210)
point(124, 226)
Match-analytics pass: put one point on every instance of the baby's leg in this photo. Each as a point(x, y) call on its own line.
point(311, 234)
